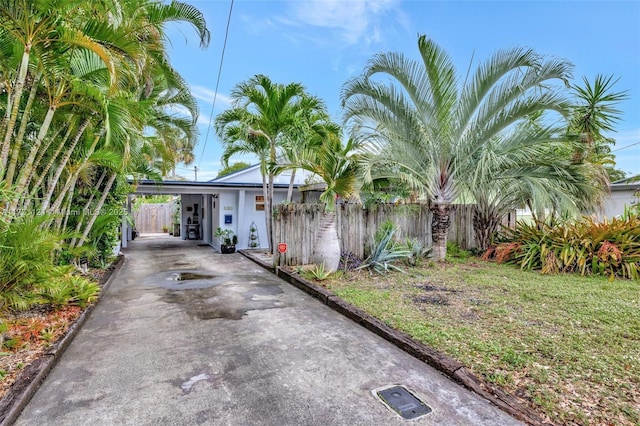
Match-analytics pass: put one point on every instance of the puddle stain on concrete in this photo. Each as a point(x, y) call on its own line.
point(206, 295)
point(225, 302)
point(189, 276)
point(187, 385)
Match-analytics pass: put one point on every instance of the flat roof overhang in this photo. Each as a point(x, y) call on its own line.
point(171, 187)
point(614, 187)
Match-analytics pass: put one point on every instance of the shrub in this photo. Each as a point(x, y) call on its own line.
point(417, 251)
point(385, 252)
point(28, 275)
point(318, 272)
point(588, 246)
point(455, 252)
point(349, 261)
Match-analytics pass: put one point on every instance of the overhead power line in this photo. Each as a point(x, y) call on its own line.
point(625, 147)
point(215, 94)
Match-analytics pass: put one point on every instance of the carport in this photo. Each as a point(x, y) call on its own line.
point(205, 206)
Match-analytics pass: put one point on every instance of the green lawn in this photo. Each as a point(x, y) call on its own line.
point(568, 344)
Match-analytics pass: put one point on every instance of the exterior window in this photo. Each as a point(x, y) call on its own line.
point(259, 203)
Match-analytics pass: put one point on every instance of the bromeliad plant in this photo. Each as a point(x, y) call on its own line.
point(588, 246)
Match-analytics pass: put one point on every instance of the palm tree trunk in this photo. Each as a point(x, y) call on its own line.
point(439, 230)
point(485, 226)
point(74, 177)
point(96, 211)
point(290, 190)
point(61, 220)
point(13, 103)
point(327, 245)
point(26, 170)
point(71, 182)
point(15, 153)
point(267, 217)
point(36, 186)
point(269, 212)
point(56, 177)
point(86, 208)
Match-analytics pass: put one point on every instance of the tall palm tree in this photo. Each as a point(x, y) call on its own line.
point(265, 115)
point(595, 113)
point(335, 164)
point(427, 127)
point(105, 84)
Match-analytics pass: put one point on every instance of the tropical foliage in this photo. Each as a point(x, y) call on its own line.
point(587, 246)
point(491, 138)
point(595, 113)
point(239, 165)
point(27, 277)
point(87, 99)
point(269, 120)
point(386, 252)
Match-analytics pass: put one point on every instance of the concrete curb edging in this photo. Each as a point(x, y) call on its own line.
point(18, 397)
point(454, 369)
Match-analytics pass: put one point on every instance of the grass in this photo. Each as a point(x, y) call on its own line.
point(569, 345)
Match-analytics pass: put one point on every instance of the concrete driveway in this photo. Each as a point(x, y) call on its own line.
point(186, 336)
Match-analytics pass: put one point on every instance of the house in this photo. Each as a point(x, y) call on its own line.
point(623, 194)
point(235, 201)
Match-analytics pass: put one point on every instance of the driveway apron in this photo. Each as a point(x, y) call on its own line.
point(187, 336)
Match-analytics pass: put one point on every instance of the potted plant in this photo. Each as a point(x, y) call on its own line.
point(228, 240)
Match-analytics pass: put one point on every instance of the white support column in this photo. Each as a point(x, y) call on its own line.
point(124, 230)
point(242, 226)
point(206, 218)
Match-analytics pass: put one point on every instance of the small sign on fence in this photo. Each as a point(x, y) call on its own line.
point(282, 248)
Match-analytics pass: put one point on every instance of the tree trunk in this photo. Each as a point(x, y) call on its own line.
point(267, 217)
point(86, 208)
point(327, 246)
point(36, 186)
point(13, 103)
point(96, 211)
point(290, 190)
point(269, 211)
point(71, 183)
point(439, 230)
point(15, 153)
point(62, 165)
point(485, 226)
point(25, 170)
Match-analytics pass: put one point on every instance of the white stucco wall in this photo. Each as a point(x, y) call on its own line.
point(615, 204)
point(241, 205)
point(228, 205)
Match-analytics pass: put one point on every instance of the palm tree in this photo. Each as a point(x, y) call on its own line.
point(335, 164)
point(427, 127)
point(594, 114)
point(265, 115)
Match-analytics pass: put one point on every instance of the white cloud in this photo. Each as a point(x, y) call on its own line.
point(626, 137)
point(627, 150)
point(205, 94)
point(203, 120)
point(179, 109)
point(351, 22)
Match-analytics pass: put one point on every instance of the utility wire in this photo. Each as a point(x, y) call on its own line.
point(215, 94)
point(625, 147)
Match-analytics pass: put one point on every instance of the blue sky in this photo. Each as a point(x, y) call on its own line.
point(323, 43)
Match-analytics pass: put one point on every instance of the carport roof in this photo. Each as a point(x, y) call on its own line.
point(190, 187)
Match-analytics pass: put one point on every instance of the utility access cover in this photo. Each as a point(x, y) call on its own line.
point(403, 402)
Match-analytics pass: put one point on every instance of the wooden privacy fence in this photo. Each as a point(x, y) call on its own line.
point(153, 217)
point(297, 225)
